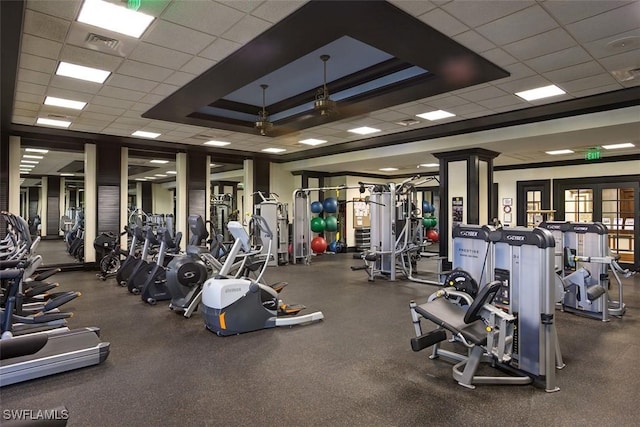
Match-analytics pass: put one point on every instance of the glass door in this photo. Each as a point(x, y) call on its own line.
point(578, 205)
point(619, 217)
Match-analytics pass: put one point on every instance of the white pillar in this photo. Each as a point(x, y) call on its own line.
point(207, 194)
point(90, 202)
point(181, 194)
point(42, 200)
point(14, 175)
point(124, 192)
point(247, 208)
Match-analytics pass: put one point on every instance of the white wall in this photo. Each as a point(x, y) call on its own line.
point(162, 199)
point(507, 179)
point(282, 183)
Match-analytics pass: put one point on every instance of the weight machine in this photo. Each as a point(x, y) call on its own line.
point(276, 214)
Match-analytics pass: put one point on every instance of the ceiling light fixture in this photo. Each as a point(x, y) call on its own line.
point(429, 165)
point(160, 162)
point(172, 172)
point(436, 115)
point(263, 124)
point(81, 72)
point(27, 166)
point(36, 150)
point(67, 174)
point(388, 169)
point(140, 179)
point(51, 122)
point(217, 143)
point(144, 134)
point(66, 103)
point(617, 146)
point(34, 162)
point(30, 156)
point(150, 177)
point(114, 18)
point(312, 141)
point(541, 92)
point(161, 175)
point(364, 130)
point(557, 152)
point(274, 150)
point(214, 165)
point(323, 103)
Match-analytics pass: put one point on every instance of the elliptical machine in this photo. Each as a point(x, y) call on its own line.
point(154, 289)
point(235, 305)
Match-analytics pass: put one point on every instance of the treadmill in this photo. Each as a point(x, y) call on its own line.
point(41, 354)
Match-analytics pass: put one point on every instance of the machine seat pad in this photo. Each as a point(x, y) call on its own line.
point(451, 317)
point(371, 257)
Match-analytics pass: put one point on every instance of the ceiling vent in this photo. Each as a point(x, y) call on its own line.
point(626, 74)
point(408, 122)
point(98, 40)
point(57, 116)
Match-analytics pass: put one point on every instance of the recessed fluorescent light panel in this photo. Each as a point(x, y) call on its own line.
point(81, 72)
point(66, 103)
point(160, 162)
point(436, 115)
point(274, 150)
point(364, 130)
point(24, 172)
point(114, 18)
point(67, 174)
point(214, 165)
point(556, 152)
point(160, 175)
point(388, 169)
point(51, 122)
point(541, 92)
point(172, 172)
point(429, 165)
point(140, 179)
point(144, 134)
point(27, 166)
point(312, 141)
point(150, 177)
point(36, 150)
point(217, 143)
point(617, 146)
point(35, 162)
point(31, 156)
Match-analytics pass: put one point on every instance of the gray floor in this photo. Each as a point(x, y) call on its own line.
point(54, 252)
point(353, 369)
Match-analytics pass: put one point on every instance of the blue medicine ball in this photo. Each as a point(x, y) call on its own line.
point(332, 246)
point(330, 205)
point(316, 207)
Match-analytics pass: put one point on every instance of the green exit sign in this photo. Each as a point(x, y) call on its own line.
point(592, 154)
point(134, 4)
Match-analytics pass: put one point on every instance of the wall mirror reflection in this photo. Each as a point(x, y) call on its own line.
point(52, 202)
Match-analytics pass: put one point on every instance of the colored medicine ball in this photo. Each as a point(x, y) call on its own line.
point(330, 205)
point(427, 207)
point(316, 207)
point(331, 223)
point(318, 225)
point(433, 235)
point(318, 245)
point(332, 246)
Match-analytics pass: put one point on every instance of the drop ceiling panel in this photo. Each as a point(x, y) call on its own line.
point(37, 63)
point(589, 83)
point(415, 8)
point(69, 94)
point(219, 49)
point(443, 22)
point(40, 47)
point(104, 110)
point(555, 61)
point(148, 71)
point(275, 11)
point(27, 106)
point(90, 58)
point(541, 44)
point(111, 102)
point(482, 94)
point(601, 48)
point(629, 59)
point(179, 78)
point(474, 41)
point(177, 37)
point(243, 6)
point(499, 57)
point(128, 82)
point(246, 29)
point(31, 76)
point(566, 12)
point(68, 83)
point(502, 101)
point(599, 26)
point(574, 72)
point(527, 83)
point(164, 90)
point(478, 13)
point(517, 26)
point(49, 27)
point(160, 56)
point(28, 97)
point(206, 16)
point(197, 65)
point(68, 9)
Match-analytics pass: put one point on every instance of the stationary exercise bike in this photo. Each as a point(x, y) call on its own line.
point(236, 305)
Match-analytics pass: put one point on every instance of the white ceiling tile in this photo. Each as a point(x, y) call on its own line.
point(517, 72)
point(414, 7)
point(37, 63)
point(62, 9)
point(164, 126)
point(135, 114)
point(118, 93)
point(447, 102)
point(27, 105)
point(482, 94)
point(557, 60)
point(40, 47)
point(104, 110)
point(474, 41)
point(597, 90)
point(138, 122)
point(206, 16)
point(220, 49)
point(246, 29)
point(541, 44)
point(499, 57)
point(164, 89)
point(98, 116)
point(177, 37)
point(631, 83)
point(586, 69)
point(31, 76)
point(92, 122)
point(389, 115)
point(567, 12)
point(501, 101)
point(519, 25)
point(606, 24)
point(152, 99)
point(159, 56)
point(466, 109)
point(508, 108)
point(591, 82)
point(20, 120)
point(197, 65)
point(153, 8)
point(29, 97)
point(527, 83)
point(75, 84)
point(141, 107)
point(128, 82)
point(629, 59)
point(111, 102)
point(82, 127)
point(90, 58)
point(45, 26)
point(476, 13)
point(179, 78)
point(31, 88)
point(69, 94)
point(242, 5)
point(443, 22)
point(142, 70)
point(25, 113)
point(600, 48)
point(275, 11)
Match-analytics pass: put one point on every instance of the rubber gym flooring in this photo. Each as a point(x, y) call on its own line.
point(355, 368)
